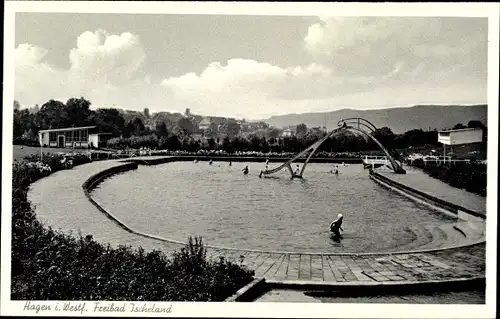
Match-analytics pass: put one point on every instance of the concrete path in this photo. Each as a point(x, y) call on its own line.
point(61, 203)
point(416, 178)
point(465, 262)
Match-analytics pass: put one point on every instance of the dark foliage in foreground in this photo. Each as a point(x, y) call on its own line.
point(471, 177)
point(51, 265)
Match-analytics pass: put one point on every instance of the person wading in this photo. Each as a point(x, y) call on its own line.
point(336, 225)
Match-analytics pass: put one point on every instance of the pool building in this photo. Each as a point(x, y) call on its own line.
point(73, 137)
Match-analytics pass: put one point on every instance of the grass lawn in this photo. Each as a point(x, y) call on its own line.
point(20, 151)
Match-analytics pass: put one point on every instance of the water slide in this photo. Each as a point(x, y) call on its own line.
point(311, 148)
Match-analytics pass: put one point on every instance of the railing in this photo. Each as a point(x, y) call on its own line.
point(436, 159)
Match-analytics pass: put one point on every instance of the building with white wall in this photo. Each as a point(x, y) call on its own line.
point(72, 137)
point(461, 136)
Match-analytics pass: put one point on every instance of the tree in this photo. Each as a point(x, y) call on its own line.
point(77, 112)
point(34, 109)
point(161, 129)
point(226, 145)
point(211, 143)
point(52, 114)
point(274, 132)
point(232, 129)
point(475, 124)
point(459, 126)
point(211, 131)
point(108, 120)
point(385, 136)
point(136, 126)
point(17, 106)
point(301, 130)
point(186, 126)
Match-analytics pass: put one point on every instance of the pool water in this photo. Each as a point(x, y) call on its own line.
point(275, 213)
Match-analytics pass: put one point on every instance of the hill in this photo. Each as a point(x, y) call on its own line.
point(400, 119)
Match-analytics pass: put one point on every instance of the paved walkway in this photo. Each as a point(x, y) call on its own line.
point(61, 203)
point(417, 179)
point(466, 262)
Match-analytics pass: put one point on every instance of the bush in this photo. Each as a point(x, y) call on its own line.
point(471, 177)
point(51, 265)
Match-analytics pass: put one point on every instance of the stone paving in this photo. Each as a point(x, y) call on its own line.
point(457, 263)
point(61, 203)
point(417, 179)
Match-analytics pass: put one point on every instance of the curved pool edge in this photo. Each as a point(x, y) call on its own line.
point(427, 199)
point(342, 268)
point(131, 164)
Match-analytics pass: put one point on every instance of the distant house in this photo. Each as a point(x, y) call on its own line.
point(72, 137)
point(318, 130)
point(204, 124)
point(288, 132)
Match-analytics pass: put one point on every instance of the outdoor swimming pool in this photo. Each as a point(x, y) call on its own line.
point(228, 209)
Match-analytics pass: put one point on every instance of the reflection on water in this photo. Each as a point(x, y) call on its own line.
point(274, 213)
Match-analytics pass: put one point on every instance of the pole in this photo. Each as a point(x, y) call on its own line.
point(444, 151)
point(41, 145)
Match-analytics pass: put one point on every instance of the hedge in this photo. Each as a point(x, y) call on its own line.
point(471, 177)
point(52, 265)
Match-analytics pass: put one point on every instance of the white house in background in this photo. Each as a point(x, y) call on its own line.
point(204, 124)
point(288, 133)
point(461, 136)
point(72, 137)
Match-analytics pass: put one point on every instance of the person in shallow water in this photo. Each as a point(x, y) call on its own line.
point(230, 163)
point(245, 170)
point(210, 162)
point(297, 170)
point(335, 170)
point(336, 225)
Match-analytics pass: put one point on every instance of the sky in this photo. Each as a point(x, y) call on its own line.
point(249, 67)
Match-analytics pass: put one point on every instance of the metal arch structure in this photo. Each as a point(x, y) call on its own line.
point(346, 124)
point(361, 122)
point(360, 125)
point(312, 149)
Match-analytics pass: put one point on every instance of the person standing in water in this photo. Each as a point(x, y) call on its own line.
point(230, 163)
point(336, 225)
point(210, 162)
point(297, 170)
point(245, 170)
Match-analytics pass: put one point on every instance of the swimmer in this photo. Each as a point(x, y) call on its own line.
point(297, 170)
point(336, 225)
point(245, 170)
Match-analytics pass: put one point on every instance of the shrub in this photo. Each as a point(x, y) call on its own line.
point(51, 265)
point(471, 177)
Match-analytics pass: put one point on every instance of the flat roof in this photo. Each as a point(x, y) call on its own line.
point(67, 129)
point(463, 129)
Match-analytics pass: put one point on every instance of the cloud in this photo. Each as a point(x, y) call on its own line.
point(356, 62)
point(107, 69)
point(101, 56)
point(375, 45)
